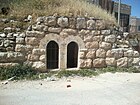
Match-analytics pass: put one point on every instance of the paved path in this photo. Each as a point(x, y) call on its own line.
point(106, 89)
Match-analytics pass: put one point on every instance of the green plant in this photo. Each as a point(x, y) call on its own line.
point(66, 73)
point(18, 71)
point(87, 73)
point(82, 72)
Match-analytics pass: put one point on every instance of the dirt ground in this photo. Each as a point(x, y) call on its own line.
point(106, 89)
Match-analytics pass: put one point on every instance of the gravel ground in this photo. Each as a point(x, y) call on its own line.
point(106, 89)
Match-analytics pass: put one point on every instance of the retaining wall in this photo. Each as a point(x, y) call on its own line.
point(99, 44)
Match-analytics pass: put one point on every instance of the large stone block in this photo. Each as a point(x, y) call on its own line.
point(40, 66)
point(92, 45)
point(105, 45)
point(3, 56)
point(106, 32)
point(42, 58)
point(111, 62)
point(88, 38)
point(99, 63)
point(70, 31)
point(83, 33)
point(136, 61)
point(82, 63)
point(81, 23)
point(20, 40)
point(91, 24)
point(15, 57)
point(63, 22)
point(110, 38)
point(72, 22)
point(122, 62)
point(54, 30)
point(64, 34)
point(128, 53)
point(32, 57)
point(45, 29)
point(10, 49)
point(38, 27)
point(100, 53)
point(86, 63)
point(21, 48)
point(38, 51)
point(35, 34)
point(22, 35)
point(32, 41)
point(50, 21)
point(136, 54)
point(7, 43)
point(8, 64)
point(100, 24)
point(98, 38)
point(2, 35)
point(8, 29)
point(115, 53)
point(96, 32)
point(40, 19)
point(82, 54)
point(91, 54)
point(10, 35)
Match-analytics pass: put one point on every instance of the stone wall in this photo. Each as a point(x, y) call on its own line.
point(99, 44)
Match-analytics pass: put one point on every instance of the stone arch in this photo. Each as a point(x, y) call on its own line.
point(62, 43)
point(80, 44)
point(48, 38)
point(76, 39)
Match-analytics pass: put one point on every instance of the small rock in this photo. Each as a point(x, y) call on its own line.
point(9, 35)
point(29, 28)
point(68, 80)
point(2, 35)
point(40, 84)
point(8, 29)
point(29, 17)
point(68, 86)
point(5, 82)
point(5, 20)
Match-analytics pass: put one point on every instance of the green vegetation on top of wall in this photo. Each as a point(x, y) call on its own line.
point(21, 8)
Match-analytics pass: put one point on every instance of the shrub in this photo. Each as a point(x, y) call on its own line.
point(18, 71)
point(66, 73)
point(87, 73)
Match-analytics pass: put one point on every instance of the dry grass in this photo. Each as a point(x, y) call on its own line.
point(37, 8)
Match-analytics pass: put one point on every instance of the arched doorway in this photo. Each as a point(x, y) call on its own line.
point(52, 51)
point(72, 55)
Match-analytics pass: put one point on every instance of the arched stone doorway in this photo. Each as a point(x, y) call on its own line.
point(52, 55)
point(72, 55)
